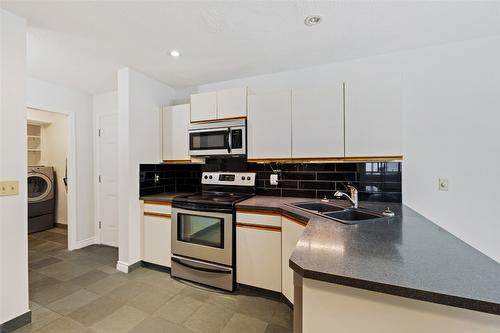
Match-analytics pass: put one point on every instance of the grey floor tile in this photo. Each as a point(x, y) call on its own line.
point(41, 317)
point(44, 263)
point(283, 316)
point(129, 290)
point(178, 309)
point(272, 328)
point(72, 302)
point(87, 279)
point(95, 311)
point(63, 325)
point(107, 284)
point(257, 307)
point(196, 293)
point(121, 320)
point(209, 318)
point(35, 276)
point(225, 300)
point(159, 325)
point(240, 323)
point(64, 270)
point(53, 292)
point(151, 299)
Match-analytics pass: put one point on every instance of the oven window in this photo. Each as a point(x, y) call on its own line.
point(208, 140)
point(202, 230)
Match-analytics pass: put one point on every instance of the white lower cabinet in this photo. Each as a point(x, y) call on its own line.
point(156, 242)
point(258, 251)
point(291, 231)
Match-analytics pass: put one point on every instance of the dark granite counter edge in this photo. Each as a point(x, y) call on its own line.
point(422, 295)
point(258, 208)
point(156, 199)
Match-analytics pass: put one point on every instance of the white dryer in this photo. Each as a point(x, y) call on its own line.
point(41, 198)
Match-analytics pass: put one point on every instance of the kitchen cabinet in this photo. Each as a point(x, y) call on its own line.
point(156, 230)
point(373, 120)
point(232, 103)
point(290, 233)
point(318, 122)
point(175, 123)
point(258, 250)
point(204, 106)
point(222, 104)
point(269, 126)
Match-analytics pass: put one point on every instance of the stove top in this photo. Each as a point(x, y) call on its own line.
point(221, 189)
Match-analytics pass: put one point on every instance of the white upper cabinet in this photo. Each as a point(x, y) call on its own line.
point(204, 106)
point(175, 122)
point(317, 122)
point(373, 114)
point(222, 104)
point(232, 103)
point(269, 125)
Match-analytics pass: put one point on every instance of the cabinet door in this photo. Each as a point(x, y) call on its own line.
point(175, 123)
point(204, 106)
point(258, 257)
point(156, 240)
point(317, 122)
point(269, 126)
point(232, 103)
point(290, 233)
point(373, 114)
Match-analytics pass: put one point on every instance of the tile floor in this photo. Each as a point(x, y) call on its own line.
point(81, 291)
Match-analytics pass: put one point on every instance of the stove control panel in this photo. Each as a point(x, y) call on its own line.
point(228, 178)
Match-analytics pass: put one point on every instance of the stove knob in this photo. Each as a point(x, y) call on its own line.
point(210, 177)
point(248, 178)
point(206, 176)
point(242, 177)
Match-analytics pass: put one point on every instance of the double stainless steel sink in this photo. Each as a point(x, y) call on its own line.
point(337, 213)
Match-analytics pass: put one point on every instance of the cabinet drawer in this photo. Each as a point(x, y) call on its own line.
point(270, 219)
point(157, 208)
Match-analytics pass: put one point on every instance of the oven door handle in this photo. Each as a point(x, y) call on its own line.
point(229, 140)
point(202, 269)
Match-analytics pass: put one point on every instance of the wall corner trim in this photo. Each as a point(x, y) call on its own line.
point(84, 243)
point(15, 323)
point(127, 268)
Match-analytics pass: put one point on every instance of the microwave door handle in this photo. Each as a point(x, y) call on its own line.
point(229, 141)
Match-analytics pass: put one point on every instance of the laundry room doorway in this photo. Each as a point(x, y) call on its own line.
point(48, 180)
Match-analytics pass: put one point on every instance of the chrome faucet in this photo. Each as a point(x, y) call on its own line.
point(353, 198)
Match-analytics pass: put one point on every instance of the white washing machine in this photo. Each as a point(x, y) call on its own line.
point(41, 198)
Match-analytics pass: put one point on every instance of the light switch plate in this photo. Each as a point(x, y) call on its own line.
point(9, 187)
point(443, 184)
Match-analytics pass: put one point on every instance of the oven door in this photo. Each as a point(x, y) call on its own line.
point(204, 235)
point(206, 142)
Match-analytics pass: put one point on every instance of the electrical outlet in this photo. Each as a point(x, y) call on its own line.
point(9, 187)
point(273, 179)
point(443, 184)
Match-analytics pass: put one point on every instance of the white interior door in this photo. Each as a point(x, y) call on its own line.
point(108, 185)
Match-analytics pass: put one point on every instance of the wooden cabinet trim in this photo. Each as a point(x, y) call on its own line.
point(157, 214)
point(258, 212)
point(328, 159)
point(294, 219)
point(161, 203)
point(258, 226)
point(218, 119)
point(178, 162)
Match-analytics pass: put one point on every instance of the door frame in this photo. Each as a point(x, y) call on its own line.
point(97, 194)
point(72, 193)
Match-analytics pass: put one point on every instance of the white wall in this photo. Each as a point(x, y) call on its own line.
point(13, 209)
point(54, 146)
point(451, 110)
point(78, 105)
point(139, 132)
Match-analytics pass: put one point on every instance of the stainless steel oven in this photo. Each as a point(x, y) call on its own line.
point(203, 234)
point(218, 138)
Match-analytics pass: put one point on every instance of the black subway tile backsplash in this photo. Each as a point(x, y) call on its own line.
point(376, 181)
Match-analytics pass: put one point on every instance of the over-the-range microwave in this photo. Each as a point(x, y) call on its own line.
point(218, 138)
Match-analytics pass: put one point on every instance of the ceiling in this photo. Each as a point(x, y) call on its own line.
point(82, 44)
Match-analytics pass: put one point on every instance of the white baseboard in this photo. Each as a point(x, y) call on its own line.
point(122, 266)
point(85, 242)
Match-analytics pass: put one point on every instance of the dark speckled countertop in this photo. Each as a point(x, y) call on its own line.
point(406, 255)
point(162, 197)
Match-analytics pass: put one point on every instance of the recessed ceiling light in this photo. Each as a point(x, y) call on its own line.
point(312, 20)
point(175, 53)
